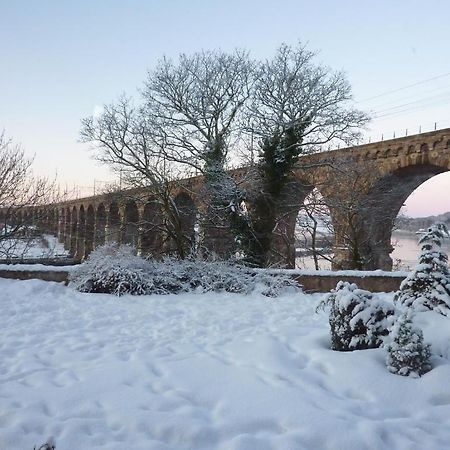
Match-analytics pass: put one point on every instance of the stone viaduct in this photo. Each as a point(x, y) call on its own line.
point(364, 187)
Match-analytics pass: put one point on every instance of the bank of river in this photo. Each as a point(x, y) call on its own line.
point(404, 255)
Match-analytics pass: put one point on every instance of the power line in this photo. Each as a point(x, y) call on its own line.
point(409, 96)
point(404, 87)
point(412, 109)
point(433, 99)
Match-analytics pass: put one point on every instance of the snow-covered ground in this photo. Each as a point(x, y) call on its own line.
point(203, 372)
point(45, 246)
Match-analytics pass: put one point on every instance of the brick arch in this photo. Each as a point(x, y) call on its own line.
point(114, 223)
point(384, 201)
point(100, 225)
point(152, 229)
point(314, 203)
point(81, 233)
point(89, 230)
point(187, 211)
point(73, 230)
point(282, 251)
point(130, 229)
point(67, 224)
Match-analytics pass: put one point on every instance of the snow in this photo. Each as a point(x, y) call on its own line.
point(45, 246)
point(35, 268)
point(204, 372)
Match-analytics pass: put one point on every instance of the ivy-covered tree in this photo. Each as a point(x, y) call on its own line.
point(297, 107)
point(358, 320)
point(428, 286)
point(407, 353)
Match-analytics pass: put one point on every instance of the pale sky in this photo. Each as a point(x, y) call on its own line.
point(60, 60)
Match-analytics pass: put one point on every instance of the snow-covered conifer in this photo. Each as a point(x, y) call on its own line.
point(358, 320)
point(407, 353)
point(428, 286)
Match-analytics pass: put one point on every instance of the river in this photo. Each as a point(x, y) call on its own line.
point(404, 255)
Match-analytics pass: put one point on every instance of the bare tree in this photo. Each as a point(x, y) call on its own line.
point(297, 107)
point(197, 104)
point(125, 138)
point(364, 207)
point(22, 199)
point(314, 230)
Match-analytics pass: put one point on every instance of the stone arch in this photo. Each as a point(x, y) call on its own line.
point(28, 217)
point(73, 231)
point(90, 230)
point(384, 202)
point(81, 233)
point(18, 218)
point(114, 223)
point(52, 221)
point(100, 225)
point(187, 212)
point(314, 231)
point(67, 224)
point(61, 224)
point(130, 230)
point(152, 225)
point(276, 229)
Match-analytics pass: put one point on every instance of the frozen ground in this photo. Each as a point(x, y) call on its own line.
point(45, 246)
point(203, 372)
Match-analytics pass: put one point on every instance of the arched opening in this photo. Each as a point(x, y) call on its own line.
point(61, 224)
point(427, 204)
point(314, 233)
point(113, 228)
point(152, 229)
point(100, 225)
point(130, 232)
point(52, 222)
point(183, 232)
point(28, 217)
point(67, 228)
point(81, 233)
point(90, 222)
point(18, 219)
point(73, 231)
point(383, 206)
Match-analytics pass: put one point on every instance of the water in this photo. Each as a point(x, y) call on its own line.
point(406, 249)
point(404, 255)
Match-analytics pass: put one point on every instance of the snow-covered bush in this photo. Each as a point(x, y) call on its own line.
point(205, 276)
point(274, 285)
point(428, 286)
point(407, 353)
point(358, 319)
point(115, 269)
point(49, 445)
point(112, 269)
